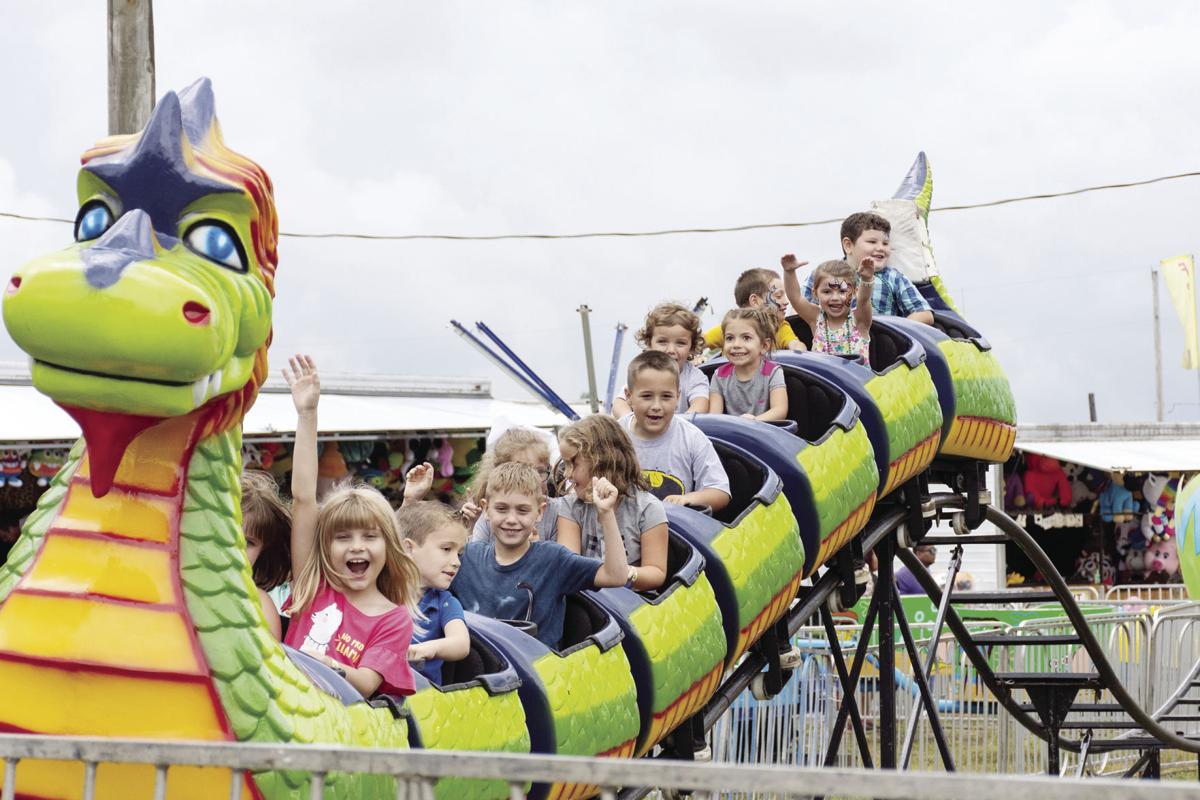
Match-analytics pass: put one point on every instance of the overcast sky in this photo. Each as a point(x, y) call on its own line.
point(516, 117)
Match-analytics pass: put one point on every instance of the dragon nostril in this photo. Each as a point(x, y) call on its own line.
point(14, 283)
point(196, 313)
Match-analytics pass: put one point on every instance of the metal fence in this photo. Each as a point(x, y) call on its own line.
point(1147, 591)
point(1152, 649)
point(415, 773)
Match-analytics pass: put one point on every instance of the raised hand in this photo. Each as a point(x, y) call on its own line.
point(417, 482)
point(790, 264)
point(866, 269)
point(303, 380)
point(470, 514)
point(604, 495)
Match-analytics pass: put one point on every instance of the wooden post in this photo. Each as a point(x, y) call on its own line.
point(130, 65)
point(1091, 407)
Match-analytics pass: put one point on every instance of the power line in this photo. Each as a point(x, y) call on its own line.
point(667, 231)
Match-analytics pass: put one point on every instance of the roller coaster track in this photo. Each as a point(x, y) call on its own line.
point(1052, 693)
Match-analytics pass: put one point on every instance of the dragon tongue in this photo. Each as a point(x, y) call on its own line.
point(107, 434)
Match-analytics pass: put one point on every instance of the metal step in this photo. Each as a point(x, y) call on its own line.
point(950, 540)
point(1125, 743)
point(993, 598)
point(1080, 708)
point(1179, 718)
point(1020, 640)
point(1099, 725)
point(1025, 680)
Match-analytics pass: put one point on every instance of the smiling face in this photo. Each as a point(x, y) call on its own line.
point(742, 343)
point(674, 340)
point(513, 517)
point(871, 243)
point(439, 556)
point(833, 296)
point(653, 398)
point(358, 555)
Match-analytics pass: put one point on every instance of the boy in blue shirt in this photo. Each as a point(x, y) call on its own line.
point(501, 578)
point(434, 536)
point(868, 235)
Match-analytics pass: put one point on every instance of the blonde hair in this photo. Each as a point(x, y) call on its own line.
point(517, 478)
point(603, 442)
point(364, 508)
point(511, 444)
point(417, 520)
point(836, 268)
point(664, 315)
point(762, 321)
point(267, 517)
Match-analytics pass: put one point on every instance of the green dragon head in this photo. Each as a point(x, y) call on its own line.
point(162, 306)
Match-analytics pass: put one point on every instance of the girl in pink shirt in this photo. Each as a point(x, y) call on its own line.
point(354, 589)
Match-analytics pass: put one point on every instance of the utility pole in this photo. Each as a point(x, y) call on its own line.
point(593, 399)
point(130, 65)
point(1158, 387)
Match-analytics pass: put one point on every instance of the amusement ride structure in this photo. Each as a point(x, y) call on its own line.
point(127, 607)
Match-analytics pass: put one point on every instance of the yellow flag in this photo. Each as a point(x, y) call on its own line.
point(1179, 273)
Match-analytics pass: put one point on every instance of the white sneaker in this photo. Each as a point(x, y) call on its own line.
point(791, 659)
point(703, 755)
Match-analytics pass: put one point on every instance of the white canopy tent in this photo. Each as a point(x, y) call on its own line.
point(351, 407)
point(1117, 448)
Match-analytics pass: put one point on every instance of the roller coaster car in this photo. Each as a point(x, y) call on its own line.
point(827, 467)
point(673, 639)
point(752, 551)
point(979, 415)
point(897, 399)
point(579, 699)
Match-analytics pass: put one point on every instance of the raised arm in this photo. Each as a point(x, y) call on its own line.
point(305, 384)
point(805, 308)
point(863, 312)
point(615, 569)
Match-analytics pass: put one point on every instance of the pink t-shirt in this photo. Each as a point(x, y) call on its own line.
point(333, 626)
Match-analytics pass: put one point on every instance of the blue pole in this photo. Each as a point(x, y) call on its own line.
point(533, 376)
point(612, 371)
point(509, 370)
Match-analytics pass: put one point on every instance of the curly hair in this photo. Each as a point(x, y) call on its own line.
point(664, 315)
point(267, 518)
point(857, 223)
point(608, 449)
point(763, 322)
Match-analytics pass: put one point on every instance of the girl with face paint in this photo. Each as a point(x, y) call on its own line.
point(838, 328)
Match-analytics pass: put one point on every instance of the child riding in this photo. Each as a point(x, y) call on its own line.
point(838, 329)
point(597, 447)
point(354, 589)
point(672, 329)
point(749, 385)
point(761, 289)
point(515, 576)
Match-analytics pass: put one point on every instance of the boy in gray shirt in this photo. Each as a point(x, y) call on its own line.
point(678, 461)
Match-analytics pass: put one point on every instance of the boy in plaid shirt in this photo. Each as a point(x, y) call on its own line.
point(866, 235)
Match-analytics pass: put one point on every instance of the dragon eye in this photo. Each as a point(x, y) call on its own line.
point(94, 219)
point(217, 242)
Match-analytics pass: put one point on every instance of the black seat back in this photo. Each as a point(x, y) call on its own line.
point(745, 481)
point(480, 660)
point(581, 620)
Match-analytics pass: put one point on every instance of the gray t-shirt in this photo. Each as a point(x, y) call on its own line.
point(747, 397)
point(547, 527)
point(679, 461)
point(693, 384)
point(635, 515)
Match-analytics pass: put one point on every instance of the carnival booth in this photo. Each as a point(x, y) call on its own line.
point(1100, 500)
